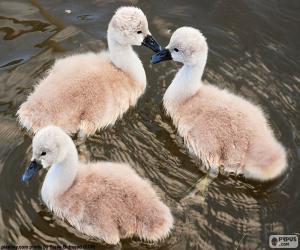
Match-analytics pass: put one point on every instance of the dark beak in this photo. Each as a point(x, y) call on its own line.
point(33, 168)
point(150, 42)
point(163, 55)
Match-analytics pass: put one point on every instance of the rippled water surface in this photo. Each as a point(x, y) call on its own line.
point(254, 52)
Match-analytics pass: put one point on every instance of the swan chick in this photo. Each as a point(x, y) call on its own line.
point(90, 91)
point(105, 200)
point(220, 128)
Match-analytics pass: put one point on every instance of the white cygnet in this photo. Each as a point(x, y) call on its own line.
point(220, 128)
point(105, 200)
point(90, 91)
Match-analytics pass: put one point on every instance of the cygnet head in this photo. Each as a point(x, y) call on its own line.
point(187, 45)
point(129, 26)
point(50, 146)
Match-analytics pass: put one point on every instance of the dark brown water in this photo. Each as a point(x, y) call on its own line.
point(254, 52)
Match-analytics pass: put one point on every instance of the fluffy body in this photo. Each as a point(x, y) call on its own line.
point(220, 128)
point(81, 92)
point(223, 129)
point(105, 200)
point(89, 91)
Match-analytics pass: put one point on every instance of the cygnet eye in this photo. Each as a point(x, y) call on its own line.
point(176, 50)
point(43, 153)
point(139, 32)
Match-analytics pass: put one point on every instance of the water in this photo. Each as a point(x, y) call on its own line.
point(254, 51)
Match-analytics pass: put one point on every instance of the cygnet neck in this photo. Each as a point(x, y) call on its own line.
point(124, 57)
point(61, 175)
point(187, 81)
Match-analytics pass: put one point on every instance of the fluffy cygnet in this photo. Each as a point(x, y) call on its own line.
point(105, 200)
point(89, 91)
point(220, 128)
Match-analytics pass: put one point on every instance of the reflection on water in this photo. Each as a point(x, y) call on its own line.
point(254, 51)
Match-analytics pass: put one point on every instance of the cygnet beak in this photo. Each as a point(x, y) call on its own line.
point(150, 42)
point(33, 168)
point(163, 55)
